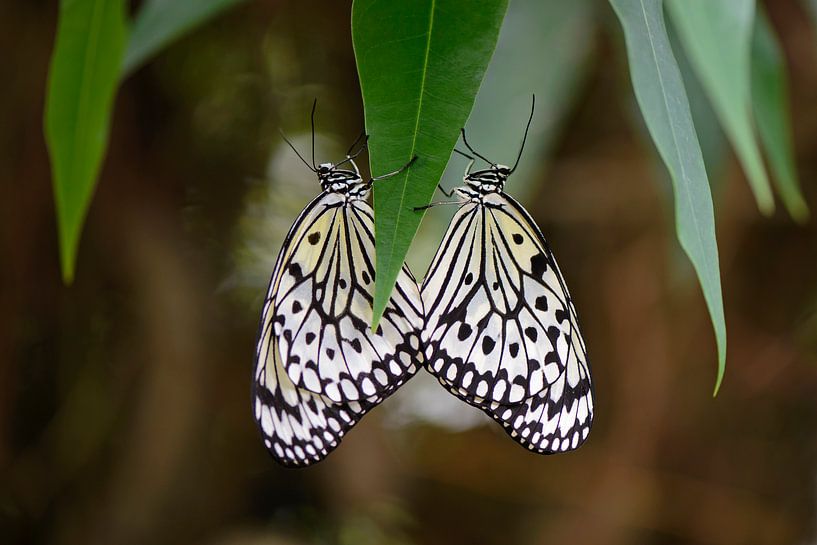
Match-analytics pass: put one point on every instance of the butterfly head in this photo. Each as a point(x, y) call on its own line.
point(490, 180)
point(340, 180)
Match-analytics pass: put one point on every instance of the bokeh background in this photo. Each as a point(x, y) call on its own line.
point(125, 398)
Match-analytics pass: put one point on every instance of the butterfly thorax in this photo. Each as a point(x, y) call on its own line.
point(484, 182)
point(342, 181)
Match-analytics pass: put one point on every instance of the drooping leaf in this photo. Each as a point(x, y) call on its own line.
point(771, 105)
point(420, 64)
point(717, 36)
point(159, 22)
point(82, 83)
point(662, 99)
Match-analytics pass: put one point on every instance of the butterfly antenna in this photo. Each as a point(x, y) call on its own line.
point(355, 154)
point(527, 128)
point(360, 136)
point(472, 150)
point(463, 154)
point(313, 169)
point(312, 119)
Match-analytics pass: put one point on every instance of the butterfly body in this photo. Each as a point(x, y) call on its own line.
point(501, 330)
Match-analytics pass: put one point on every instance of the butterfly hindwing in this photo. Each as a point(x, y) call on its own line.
point(298, 427)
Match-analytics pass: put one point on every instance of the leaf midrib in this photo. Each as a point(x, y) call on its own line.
point(416, 124)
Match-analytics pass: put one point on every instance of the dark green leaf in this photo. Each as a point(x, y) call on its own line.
point(771, 104)
point(159, 22)
point(82, 84)
point(664, 105)
point(420, 64)
point(716, 35)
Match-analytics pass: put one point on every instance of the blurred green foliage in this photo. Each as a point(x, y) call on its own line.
point(89, 59)
point(84, 74)
point(160, 22)
point(770, 98)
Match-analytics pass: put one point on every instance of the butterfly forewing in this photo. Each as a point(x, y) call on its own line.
point(501, 330)
point(322, 309)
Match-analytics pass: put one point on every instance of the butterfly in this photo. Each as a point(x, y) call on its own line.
point(318, 366)
point(501, 329)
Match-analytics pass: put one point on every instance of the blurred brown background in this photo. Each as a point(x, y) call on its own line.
point(125, 399)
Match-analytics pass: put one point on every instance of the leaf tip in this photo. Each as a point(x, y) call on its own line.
point(718, 382)
point(721, 366)
point(765, 205)
point(67, 266)
point(799, 212)
point(378, 307)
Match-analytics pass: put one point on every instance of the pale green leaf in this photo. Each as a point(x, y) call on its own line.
point(662, 99)
point(717, 36)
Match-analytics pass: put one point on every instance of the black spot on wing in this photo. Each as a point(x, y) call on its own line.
point(295, 271)
point(539, 265)
point(513, 348)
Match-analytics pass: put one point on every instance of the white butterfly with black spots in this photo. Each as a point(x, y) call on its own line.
point(501, 329)
point(318, 365)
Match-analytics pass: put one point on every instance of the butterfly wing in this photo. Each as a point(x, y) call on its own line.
point(318, 366)
point(501, 329)
point(298, 427)
point(322, 294)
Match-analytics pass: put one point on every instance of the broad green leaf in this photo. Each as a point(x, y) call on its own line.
point(716, 35)
point(662, 99)
point(504, 99)
point(159, 22)
point(771, 104)
point(82, 83)
point(420, 64)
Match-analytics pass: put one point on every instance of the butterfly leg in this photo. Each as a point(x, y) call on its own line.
point(438, 203)
point(395, 173)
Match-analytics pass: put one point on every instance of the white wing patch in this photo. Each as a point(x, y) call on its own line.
point(501, 329)
point(319, 367)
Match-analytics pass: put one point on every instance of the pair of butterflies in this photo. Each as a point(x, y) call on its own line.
point(493, 321)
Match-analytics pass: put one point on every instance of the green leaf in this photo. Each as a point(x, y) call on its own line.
point(662, 99)
point(771, 104)
point(82, 84)
point(159, 22)
point(420, 64)
point(716, 35)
